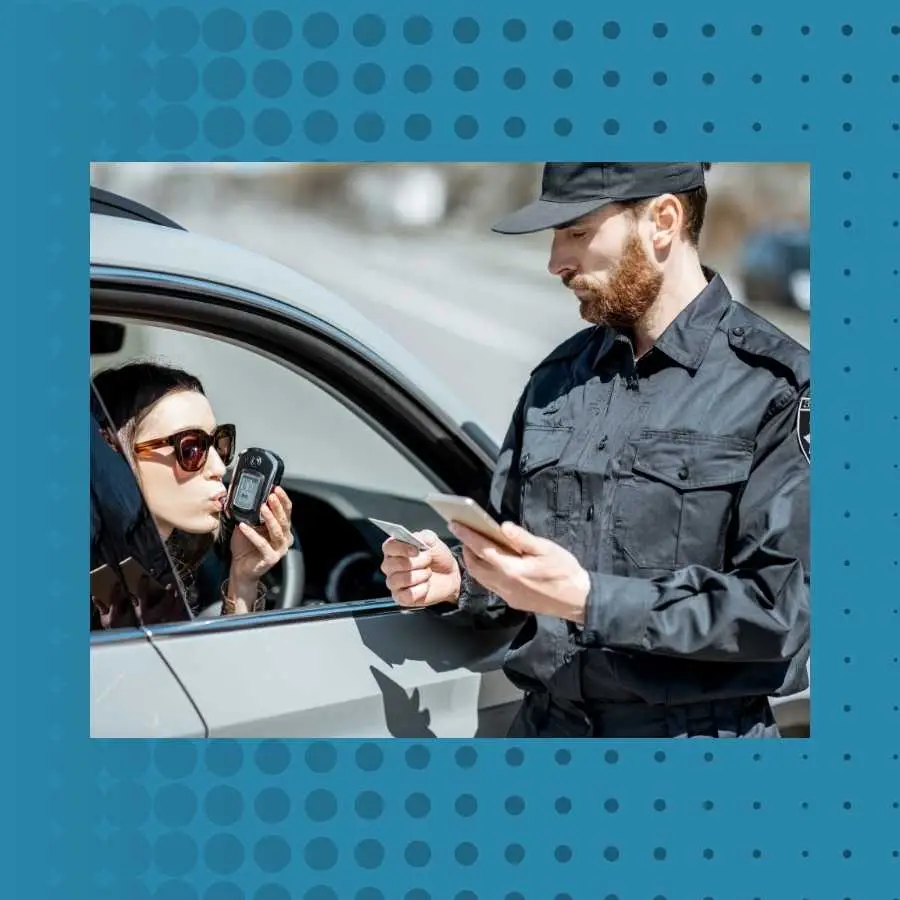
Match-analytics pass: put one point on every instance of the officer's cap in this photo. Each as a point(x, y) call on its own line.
point(572, 190)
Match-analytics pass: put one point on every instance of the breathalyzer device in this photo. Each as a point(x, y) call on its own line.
point(257, 473)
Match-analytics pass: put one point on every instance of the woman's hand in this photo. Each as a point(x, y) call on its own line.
point(254, 551)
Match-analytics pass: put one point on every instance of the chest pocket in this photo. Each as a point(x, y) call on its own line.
point(675, 507)
point(547, 496)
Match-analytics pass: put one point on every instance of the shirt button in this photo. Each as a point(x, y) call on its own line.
point(683, 473)
point(590, 512)
point(601, 444)
point(737, 332)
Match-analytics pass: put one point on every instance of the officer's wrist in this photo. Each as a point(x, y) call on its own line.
point(576, 598)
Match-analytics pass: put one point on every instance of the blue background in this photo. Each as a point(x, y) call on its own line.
point(489, 81)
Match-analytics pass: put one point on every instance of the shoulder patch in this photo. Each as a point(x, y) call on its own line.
point(803, 427)
point(569, 349)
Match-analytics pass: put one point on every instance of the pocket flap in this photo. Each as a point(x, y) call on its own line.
point(693, 461)
point(542, 446)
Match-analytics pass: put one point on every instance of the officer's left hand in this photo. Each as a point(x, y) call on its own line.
point(545, 579)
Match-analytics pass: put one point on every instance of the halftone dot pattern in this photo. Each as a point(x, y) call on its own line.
point(369, 78)
point(223, 890)
point(274, 820)
point(369, 805)
point(224, 758)
point(223, 805)
point(224, 78)
point(272, 805)
point(320, 78)
point(320, 806)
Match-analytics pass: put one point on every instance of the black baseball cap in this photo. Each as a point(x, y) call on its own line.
point(572, 190)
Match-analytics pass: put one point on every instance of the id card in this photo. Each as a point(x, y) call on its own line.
point(399, 533)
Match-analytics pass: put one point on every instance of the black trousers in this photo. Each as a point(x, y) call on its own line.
point(543, 716)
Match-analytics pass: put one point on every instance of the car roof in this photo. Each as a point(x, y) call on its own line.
point(125, 239)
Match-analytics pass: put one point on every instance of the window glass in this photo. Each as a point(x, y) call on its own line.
point(338, 471)
point(315, 434)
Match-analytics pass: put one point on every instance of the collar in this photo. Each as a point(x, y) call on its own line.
point(687, 338)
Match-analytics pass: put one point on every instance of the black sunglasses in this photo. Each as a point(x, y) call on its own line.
point(192, 446)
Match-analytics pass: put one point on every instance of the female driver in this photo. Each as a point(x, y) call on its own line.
point(167, 430)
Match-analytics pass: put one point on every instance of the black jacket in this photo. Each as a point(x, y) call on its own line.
point(681, 483)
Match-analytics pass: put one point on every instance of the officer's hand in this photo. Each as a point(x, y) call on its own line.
point(546, 579)
point(421, 578)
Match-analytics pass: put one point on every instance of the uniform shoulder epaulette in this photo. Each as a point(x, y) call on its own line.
point(569, 348)
point(751, 334)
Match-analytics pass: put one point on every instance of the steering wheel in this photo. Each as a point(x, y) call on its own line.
point(288, 588)
point(356, 576)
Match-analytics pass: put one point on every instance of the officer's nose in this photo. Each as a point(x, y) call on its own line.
point(557, 264)
point(562, 270)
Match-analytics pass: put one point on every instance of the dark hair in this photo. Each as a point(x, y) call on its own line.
point(129, 393)
point(694, 205)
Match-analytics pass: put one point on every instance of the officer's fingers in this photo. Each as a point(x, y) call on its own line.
point(427, 537)
point(393, 547)
point(390, 565)
point(485, 574)
point(413, 596)
point(477, 543)
point(401, 580)
point(524, 540)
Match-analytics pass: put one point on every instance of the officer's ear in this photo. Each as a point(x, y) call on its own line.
point(667, 217)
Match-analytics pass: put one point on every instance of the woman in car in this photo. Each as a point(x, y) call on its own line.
point(167, 430)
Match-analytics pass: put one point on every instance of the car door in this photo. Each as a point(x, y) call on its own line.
point(359, 668)
point(364, 671)
point(134, 692)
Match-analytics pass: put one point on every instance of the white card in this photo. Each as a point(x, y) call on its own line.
point(398, 532)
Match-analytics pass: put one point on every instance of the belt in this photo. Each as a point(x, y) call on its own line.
point(742, 717)
point(714, 718)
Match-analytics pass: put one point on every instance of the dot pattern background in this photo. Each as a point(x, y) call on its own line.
point(272, 821)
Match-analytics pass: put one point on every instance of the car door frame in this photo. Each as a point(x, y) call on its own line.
point(333, 360)
point(454, 459)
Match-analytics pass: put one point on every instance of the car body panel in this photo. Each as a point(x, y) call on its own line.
point(135, 695)
point(125, 244)
point(389, 673)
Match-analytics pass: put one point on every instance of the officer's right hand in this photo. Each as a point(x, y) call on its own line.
point(421, 577)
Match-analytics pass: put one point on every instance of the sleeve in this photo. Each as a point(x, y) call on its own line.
point(758, 609)
point(477, 607)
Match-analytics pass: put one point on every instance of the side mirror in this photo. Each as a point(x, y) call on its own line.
point(106, 337)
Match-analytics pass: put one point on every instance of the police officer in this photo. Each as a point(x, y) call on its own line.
point(654, 477)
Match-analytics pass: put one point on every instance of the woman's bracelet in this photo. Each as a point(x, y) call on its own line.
point(229, 606)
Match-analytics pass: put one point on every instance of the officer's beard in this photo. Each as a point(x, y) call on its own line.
point(624, 299)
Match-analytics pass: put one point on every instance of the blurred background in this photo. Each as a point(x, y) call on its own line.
point(410, 246)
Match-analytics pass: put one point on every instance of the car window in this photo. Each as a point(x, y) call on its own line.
point(315, 434)
point(132, 579)
point(338, 470)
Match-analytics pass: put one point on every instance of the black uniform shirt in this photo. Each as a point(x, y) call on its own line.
point(681, 483)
